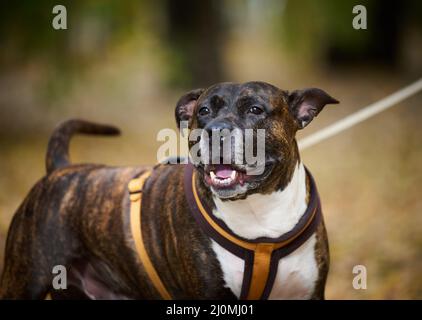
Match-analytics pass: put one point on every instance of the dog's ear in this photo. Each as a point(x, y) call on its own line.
point(307, 103)
point(186, 105)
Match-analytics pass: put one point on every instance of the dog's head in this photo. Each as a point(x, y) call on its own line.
point(225, 111)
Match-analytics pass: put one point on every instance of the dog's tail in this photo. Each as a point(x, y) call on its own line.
point(58, 145)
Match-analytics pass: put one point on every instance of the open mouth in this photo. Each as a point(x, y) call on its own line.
point(224, 176)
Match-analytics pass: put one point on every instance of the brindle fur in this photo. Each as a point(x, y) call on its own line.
point(78, 216)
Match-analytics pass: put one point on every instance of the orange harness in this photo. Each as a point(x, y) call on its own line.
point(261, 256)
point(135, 190)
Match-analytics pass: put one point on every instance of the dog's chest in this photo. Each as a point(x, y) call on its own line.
point(271, 216)
point(297, 273)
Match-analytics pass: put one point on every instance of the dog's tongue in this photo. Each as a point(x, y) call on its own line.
point(223, 171)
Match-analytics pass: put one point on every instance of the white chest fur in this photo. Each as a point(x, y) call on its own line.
point(271, 216)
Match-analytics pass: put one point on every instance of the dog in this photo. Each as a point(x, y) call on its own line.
point(78, 215)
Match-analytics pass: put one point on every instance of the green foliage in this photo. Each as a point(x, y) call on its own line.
point(26, 30)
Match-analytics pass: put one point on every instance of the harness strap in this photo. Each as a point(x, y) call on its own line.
point(135, 190)
point(260, 270)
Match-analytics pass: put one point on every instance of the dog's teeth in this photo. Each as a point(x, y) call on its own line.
point(222, 182)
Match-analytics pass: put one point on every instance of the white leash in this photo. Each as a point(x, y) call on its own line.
point(360, 115)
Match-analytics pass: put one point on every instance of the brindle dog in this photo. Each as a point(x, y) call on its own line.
point(78, 214)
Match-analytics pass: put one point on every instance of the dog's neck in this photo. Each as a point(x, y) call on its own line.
point(269, 215)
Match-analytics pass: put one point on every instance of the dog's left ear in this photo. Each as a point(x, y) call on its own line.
point(307, 103)
point(186, 105)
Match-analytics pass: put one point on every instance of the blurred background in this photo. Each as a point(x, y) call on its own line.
point(127, 63)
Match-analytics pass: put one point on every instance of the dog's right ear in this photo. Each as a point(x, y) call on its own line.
point(186, 105)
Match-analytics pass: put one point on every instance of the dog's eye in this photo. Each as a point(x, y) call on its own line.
point(204, 111)
point(255, 110)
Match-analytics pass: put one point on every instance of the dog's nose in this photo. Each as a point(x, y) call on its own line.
point(219, 129)
point(218, 126)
